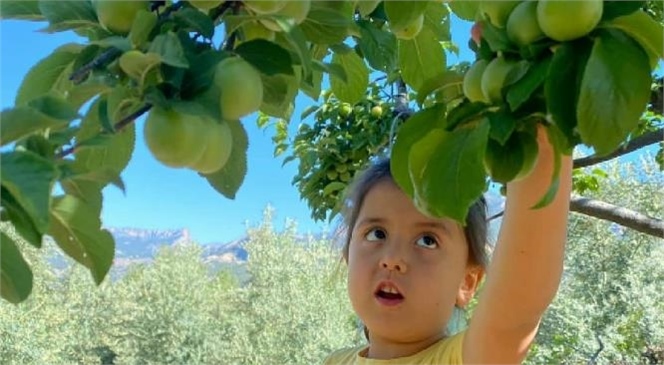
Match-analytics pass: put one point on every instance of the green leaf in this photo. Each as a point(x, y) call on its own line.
point(614, 91)
point(228, 180)
point(454, 176)
point(465, 9)
point(22, 121)
point(15, 274)
point(268, 57)
point(168, 46)
point(29, 178)
point(562, 85)
point(502, 124)
point(20, 9)
point(436, 18)
point(643, 29)
point(298, 41)
point(194, 20)
point(115, 41)
point(421, 59)
point(199, 78)
point(308, 111)
point(332, 187)
point(68, 14)
point(331, 68)
point(378, 46)
point(20, 219)
point(55, 107)
point(522, 90)
point(143, 24)
point(418, 158)
point(496, 37)
point(357, 73)
point(328, 21)
point(138, 66)
point(87, 191)
point(278, 95)
point(121, 102)
point(419, 124)
point(465, 112)
point(48, 74)
point(76, 228)
point(559, 146)
point(615, 8)
point(449, 83)
point(115, 155)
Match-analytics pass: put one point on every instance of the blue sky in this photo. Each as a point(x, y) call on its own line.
point(158, 197)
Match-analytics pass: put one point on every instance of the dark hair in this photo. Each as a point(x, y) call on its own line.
point(475, 229)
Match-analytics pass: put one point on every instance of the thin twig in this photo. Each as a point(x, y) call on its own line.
point(116, 127)
point(102, 60)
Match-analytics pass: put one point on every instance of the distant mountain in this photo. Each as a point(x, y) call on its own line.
point(136, 243)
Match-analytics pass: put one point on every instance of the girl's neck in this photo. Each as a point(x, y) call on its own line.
point(384, 348)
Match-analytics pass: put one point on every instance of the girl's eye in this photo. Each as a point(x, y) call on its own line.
point(427, 242)
point(375, 234)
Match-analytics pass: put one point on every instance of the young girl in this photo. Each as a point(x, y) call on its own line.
point(407, 271)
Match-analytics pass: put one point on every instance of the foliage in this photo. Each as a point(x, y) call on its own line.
point(177, 310)
point(609, 308)
point(72, 121)
point(294, 309)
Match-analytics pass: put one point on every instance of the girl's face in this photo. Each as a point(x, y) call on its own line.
point(406, 271)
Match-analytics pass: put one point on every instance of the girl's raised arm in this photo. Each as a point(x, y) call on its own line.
point(526, 267)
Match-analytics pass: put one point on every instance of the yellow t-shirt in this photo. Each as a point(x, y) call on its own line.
point(446, 351)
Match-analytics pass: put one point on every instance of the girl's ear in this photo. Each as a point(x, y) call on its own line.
point(468, 287)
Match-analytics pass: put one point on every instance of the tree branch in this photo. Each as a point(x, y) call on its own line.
point(612, 213)
point(622, 216)
point(102, 60)
point(117, 127)
point(633, 145)
point(593, 359)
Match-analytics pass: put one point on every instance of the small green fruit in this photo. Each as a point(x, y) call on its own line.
point(118, 16)
point(217, 147)
point(410, 30)
point(345, 109)
point(264, 6)
point(522, 26)
point(332, 175)
point(493, 78)
point(174, 139)
point(472, 81)
point(241, 88)
point(366, 7)
point(497, 11)
point(568, 20)
point(377, 111)
point(255, 30)
point(295, 11)
point(205, 5)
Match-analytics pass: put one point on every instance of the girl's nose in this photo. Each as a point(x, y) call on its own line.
point(393, 260)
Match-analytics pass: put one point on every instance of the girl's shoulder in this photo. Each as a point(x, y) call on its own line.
point(446, 351)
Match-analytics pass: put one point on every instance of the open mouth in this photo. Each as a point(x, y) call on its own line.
point(388, 295)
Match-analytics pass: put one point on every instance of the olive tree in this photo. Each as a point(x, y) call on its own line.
point(72, 124)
